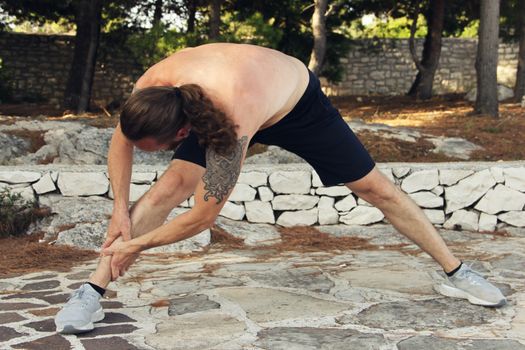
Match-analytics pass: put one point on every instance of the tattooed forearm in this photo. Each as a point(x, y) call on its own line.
point(222, 171)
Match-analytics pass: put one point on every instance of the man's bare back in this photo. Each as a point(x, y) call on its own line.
point(233, 74)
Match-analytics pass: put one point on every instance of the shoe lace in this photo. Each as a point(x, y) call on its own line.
point(79, 297)
point(474, 277)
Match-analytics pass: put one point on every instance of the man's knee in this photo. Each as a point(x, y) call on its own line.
point(375, 188)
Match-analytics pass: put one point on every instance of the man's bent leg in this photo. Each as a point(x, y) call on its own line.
point(404, 214)
point(83, 308)
point(152, 209)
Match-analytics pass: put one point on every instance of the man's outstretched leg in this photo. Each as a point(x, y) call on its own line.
point(404, 214)
point(148, 213)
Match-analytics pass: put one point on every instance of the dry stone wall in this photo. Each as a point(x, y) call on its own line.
point(385, 67)
point(37, 68)
point(468, 196)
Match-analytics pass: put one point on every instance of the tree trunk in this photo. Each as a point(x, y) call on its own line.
point(80, 80)
point(319, 32)
point(519, 88)
point(192, 11)
point(422, 86)
point(487, 59)
point(157, 14)
point(215, 19)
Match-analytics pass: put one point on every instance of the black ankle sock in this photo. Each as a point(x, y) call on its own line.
point(99, 290)
point(451, 273)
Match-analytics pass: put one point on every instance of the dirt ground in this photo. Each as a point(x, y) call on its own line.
point(450, 115)
point(502, 139)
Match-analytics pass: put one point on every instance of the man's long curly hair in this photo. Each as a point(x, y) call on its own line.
point(160, 111)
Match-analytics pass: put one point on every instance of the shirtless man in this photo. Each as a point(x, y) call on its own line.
point(213, 101)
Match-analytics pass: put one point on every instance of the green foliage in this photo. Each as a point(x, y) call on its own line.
point(61, 26)
point(16, 214)
point(470, 30)
point(152, 45)
point(387, 27)
point(253, 30)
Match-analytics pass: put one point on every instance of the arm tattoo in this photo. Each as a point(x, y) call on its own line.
point(222, 171)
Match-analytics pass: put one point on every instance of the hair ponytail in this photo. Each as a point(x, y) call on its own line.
point(160, 111)
point(211, 125)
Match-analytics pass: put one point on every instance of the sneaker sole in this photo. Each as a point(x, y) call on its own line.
point(72, 329)
point(452, 292)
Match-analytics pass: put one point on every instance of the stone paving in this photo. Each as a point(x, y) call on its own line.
point(381, 298)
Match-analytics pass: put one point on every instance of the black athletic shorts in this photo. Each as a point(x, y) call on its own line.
point(315, 131)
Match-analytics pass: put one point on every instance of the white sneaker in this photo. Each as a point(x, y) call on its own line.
point(78, 314)
point(470, 285)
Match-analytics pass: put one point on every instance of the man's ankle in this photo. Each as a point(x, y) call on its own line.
point(452, 272)
point(97, 288)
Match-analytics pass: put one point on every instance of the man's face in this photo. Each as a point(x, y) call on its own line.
point(150, 144)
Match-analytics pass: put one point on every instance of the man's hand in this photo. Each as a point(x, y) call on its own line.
point(120, 225)
point(123, 254)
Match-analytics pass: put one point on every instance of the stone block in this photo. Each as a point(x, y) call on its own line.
point(468, 190)
point(328, 215)
point(487, 222)
point(346, 204)
point(316, 180)
point(253, 178)
point(463, 220)
point(242, 193)
point(427, 199)
point(497, 173)
point(135, 191)
point(438, 191)
point(17, 177)
point(259, 212)
point(449, 177)
point(501, 198)
point(514, 218)
point(400, 172)
point(333, 191)
point(300, 217)
point(514, 178)
point(143, 178)
point(265, 194)
point(420, 180)
point(233, 211)
point(362, 215)
point(291, 182)
point(294, 202)
point(45, 184)
point(82, 184)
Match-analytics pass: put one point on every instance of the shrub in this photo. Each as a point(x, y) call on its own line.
point(152, 45)
point(16, 214)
